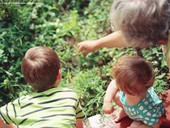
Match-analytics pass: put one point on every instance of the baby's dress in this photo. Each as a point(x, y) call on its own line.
point(148, 110)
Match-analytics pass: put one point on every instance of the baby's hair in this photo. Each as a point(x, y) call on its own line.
point(40, 67)
point(133, 75)
point(143, 22)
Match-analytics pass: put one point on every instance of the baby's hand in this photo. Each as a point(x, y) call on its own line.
point(107, 108)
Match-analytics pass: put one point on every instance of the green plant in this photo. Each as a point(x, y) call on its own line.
point(91, 88)
point(61, 25)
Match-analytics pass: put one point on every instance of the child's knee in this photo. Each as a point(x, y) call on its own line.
point(117, 99)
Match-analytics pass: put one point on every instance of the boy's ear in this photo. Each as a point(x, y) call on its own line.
point(59, 75)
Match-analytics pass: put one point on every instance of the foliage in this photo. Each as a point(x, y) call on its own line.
point(61, 25)
point(90, 87)
point(156, 57)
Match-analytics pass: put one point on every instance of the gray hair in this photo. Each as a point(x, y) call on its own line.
point(143, 22)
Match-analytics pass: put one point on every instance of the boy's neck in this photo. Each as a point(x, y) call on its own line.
point(57, 83)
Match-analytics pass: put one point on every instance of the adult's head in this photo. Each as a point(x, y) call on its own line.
point(40, 67)
point(143, 22)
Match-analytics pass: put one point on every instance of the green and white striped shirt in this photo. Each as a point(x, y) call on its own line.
point(54, 108)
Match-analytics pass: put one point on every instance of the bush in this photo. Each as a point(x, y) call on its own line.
point(61, 25)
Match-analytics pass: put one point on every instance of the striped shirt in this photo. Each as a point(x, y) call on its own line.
point(54, 108)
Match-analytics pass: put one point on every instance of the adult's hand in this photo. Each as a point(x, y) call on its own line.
point(87, 46)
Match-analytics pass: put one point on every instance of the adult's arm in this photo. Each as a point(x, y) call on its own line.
point(112, 40)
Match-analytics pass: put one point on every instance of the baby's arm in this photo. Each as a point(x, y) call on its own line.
point(79, 123)
point(108, 98)
point(3, 125)
point(115, 39)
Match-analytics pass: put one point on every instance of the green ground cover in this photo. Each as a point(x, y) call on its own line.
point(61, 25)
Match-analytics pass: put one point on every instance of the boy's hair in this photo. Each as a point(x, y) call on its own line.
point(143, 22)
point(40, 67)
point(133, 75)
